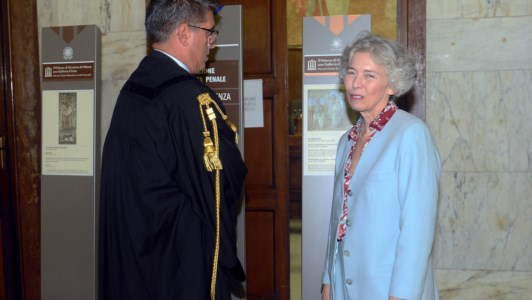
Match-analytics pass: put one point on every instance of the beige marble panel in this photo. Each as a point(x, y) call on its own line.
point(124, 15)
point(452, 9)
point(484, 221)
point(516, 88)
point(69, 12)
point(481, 120)
point(479, 44)
point(476, 285)
point(121, 54)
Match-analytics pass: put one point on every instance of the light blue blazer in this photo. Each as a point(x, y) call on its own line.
point(392, 201)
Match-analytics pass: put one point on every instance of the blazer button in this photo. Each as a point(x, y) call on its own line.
point(348, 222)
point(346, 252)
point(349, 281)
point(349, 193)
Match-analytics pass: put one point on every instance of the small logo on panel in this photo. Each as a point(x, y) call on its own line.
point(68, 53)
point(337, 44)
point(311, 65)
point(48, 72)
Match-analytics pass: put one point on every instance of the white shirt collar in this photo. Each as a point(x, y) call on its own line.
point(181, 64)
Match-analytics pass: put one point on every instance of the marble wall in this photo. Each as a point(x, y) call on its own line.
point(479, 78)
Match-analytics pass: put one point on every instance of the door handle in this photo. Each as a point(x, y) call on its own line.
point(3, 149)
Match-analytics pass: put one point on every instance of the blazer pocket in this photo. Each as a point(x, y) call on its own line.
point(380, 176)
point(380, 185)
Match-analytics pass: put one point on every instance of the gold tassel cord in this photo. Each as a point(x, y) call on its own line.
point(210, 150)
point(212, 163)
point(217, 245)
point(224, 116)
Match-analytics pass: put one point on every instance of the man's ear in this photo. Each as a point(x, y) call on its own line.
point(183, 33)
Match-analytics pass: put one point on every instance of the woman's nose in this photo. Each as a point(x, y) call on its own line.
point(356, 82)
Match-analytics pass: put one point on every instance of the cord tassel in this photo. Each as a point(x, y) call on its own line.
point(212, 163)
point(210, 157)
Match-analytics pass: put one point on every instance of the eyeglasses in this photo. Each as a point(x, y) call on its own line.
point(213, 33)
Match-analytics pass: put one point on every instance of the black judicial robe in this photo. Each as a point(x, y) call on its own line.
point(157, 204)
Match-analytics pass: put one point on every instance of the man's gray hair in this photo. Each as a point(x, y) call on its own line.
point(164, 16)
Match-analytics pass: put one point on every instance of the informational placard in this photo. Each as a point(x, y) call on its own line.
point(65, 71)
point(70, 161)
point(326, 116)
point(253, 108)
point(326, 119)
point(67, 141)
point(223, 77)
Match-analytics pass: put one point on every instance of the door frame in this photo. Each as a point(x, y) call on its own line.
point(411, 33)
point(10, 280)
point(21, 95)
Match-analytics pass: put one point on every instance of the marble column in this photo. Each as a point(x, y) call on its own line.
point(479, 80)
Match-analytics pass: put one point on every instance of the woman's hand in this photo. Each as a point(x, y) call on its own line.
point(325, 292)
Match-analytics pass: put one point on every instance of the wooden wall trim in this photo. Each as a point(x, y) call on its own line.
point(24, 109)
point(280, 57)
point(411, 32)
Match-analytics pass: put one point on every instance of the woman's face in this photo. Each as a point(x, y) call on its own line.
point(366, 85)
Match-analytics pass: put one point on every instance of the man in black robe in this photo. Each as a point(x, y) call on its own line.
point(172, 173)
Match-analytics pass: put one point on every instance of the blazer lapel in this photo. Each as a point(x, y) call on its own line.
point(367, 160)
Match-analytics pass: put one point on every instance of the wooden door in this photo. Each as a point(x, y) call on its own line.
point(6, 278)
point(266, 151)
point(9, 262)
point(20, 132)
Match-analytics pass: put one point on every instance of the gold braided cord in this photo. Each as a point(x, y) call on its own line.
point(212, 163)
point(217, 192)
point(211, 152)
point(224, 116)
point(217, 245)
